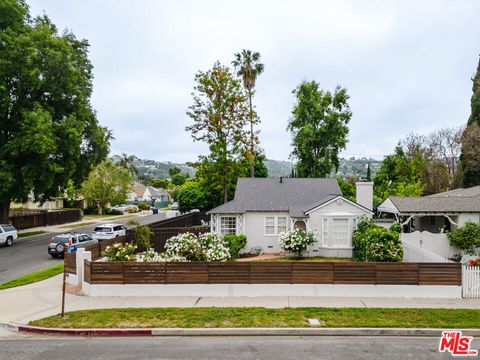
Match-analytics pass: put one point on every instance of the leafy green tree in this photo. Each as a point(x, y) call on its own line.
point(260, 169)
point(142, 235)
point(398, 175)
point(248, 67)
point(174, 171)
point(219, 115)
point(179, 178)
point(49, 133)
point(319, 128)
point(107, 184)
point(470, 166)
point(348, 188)
point(159, 183)
point(192, 195)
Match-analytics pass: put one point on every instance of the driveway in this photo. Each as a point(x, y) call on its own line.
point(30, 254)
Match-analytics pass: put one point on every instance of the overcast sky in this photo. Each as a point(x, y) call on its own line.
point(407, 65)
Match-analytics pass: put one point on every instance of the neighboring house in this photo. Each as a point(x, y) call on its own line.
point(435, 213)
point(136, 192)
point(152, 193)
point(264, 207)
point(140, 192)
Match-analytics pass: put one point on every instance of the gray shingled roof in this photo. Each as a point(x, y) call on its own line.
point(156, 192)
point(455, 201)
point(295, 195)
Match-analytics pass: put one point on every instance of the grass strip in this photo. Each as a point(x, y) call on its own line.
point(263, 317)
point(79, 225)
point(34, 277)
point(31, 233)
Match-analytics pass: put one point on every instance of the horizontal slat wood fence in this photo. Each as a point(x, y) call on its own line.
point(28, 220)
point(274, 273)
point(70, 261)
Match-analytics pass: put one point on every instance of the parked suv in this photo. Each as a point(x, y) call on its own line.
point(56, 246)
point(108, 231)
point(8, 233)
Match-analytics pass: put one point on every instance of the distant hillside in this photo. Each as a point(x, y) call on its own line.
point(348, 167)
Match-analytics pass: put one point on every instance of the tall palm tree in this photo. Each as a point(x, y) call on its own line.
point(128, 162)
point(248, 67)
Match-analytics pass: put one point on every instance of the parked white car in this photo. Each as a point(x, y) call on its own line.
point(108, 231)
point(8, 233)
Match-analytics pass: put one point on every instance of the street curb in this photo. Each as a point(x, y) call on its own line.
point(23, 328)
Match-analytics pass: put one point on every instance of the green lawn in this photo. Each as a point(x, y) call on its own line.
point(262, 317)
point(31, 233)
point(79, 225)
point(313, 258)
point(34, 277)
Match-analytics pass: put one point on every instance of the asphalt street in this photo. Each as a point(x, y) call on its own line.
point(212, 348)
point(30, 254)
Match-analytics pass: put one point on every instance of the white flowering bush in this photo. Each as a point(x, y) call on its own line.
point(215, 246)
point(296, 240)
point(185, 245)
point(151, 256)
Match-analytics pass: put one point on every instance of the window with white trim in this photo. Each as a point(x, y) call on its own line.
point(340, 232)
point(270, 225)
point(281, 224)
point(325, 231)
point(228, 225)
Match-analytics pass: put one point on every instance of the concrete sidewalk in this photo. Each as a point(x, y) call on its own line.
point(42, 299)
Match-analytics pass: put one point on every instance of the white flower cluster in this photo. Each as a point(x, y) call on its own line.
point(296, 240)
point(184, 245)
point(216, 247)
point(206, 247)
point(151, 256)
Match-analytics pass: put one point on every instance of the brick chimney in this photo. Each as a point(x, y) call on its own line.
point(365, 194)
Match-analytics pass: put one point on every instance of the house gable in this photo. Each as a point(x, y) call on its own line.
point(339, 206)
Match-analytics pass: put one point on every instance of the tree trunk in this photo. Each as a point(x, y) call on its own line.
point(100, 210)
point(225, 193)
point(4, 211)
point(252, 146)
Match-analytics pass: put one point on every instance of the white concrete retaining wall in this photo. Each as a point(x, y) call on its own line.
point(265, 290)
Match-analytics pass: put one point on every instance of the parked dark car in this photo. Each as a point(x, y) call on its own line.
point(58, 244)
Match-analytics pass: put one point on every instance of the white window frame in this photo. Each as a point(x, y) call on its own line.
point(283, 226)
point(221, 228)
point(275, 224)
point(349, 233)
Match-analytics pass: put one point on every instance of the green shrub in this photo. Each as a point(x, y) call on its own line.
point(235, 243)
point(143, 206)
point(364, 222)
point(466, 237)
point(375, 243)
point(396, 226)
point(142, 235)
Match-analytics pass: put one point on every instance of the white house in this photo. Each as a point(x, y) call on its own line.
point(140, 192)
point(264, 207)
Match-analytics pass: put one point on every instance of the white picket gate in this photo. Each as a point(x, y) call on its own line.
point(471, 281)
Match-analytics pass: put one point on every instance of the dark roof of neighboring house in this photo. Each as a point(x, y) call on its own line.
point(154, 192)
point(295, 195)
point(458, 200)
